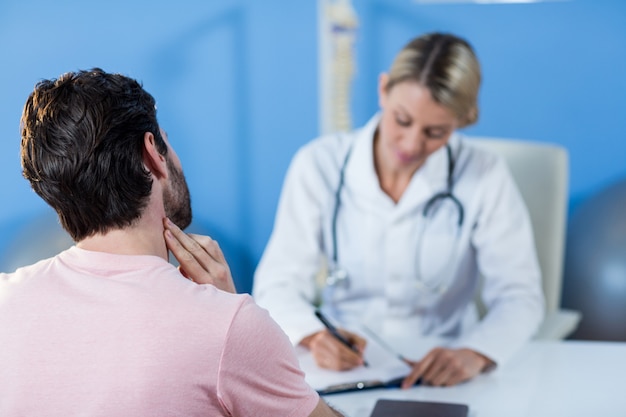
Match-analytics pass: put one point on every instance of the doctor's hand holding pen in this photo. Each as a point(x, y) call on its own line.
point(330, 353)
point(335, 349)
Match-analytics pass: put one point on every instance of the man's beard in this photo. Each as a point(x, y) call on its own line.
point(176, 198)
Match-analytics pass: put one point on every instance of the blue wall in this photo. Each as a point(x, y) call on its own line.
point(236, 86)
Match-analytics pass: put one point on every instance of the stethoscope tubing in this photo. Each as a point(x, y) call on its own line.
point(428, 207)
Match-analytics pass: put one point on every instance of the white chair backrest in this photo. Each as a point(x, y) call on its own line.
point(541, 172)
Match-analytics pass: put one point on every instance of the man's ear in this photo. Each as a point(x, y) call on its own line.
point(152, 159)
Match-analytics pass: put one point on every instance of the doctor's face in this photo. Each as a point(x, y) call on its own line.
point(412, 127)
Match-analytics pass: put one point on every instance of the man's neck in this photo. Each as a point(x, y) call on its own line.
point(143, 238)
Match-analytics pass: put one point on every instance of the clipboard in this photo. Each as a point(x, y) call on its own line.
point(408, 408)
point(384, 370)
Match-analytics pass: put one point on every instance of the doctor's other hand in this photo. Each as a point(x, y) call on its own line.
point(330, 353)
point(444, 367)
point(200, 257)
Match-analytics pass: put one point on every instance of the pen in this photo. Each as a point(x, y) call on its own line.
point(333, 331)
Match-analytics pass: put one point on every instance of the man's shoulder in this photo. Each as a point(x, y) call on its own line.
point(236, 307)
point(26, 271)
point(209, 294)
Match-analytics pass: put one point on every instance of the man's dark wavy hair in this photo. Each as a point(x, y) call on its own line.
point(82, 146)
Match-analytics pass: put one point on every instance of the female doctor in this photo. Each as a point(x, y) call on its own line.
point(407, 214)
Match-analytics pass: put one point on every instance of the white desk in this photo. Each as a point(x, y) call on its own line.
point(551, 379)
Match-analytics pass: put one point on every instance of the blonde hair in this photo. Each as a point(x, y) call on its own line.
point(447, 66)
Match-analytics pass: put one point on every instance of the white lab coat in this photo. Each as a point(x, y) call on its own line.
point(379, 245)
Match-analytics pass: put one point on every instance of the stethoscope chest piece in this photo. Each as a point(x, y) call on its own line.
point(337, 277)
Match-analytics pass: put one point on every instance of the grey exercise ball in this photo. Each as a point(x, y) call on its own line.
point(595, 265)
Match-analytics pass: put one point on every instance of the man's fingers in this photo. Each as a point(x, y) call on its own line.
point(175, 246)
point(210, 246)
point(200, 257)
point(184, 240)
point(189, 248)
point(215, 263)
point(188, 262)
point(183, 272)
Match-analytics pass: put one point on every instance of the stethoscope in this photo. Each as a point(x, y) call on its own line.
point(338, 276)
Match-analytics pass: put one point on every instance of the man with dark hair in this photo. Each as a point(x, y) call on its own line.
point(109, 327)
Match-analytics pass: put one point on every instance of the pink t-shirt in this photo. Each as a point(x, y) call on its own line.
point(95, 334)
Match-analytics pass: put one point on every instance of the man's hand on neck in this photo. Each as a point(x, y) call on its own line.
point(200, 257)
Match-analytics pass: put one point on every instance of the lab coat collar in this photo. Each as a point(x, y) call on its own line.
point(361, 174)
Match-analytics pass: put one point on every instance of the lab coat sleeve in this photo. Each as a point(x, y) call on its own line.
point(507, 260)
point(285, 279)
